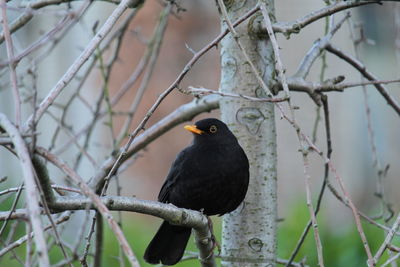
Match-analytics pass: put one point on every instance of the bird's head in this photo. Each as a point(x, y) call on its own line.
point(211, 129)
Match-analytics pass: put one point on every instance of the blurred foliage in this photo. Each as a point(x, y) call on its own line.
point(341, 243)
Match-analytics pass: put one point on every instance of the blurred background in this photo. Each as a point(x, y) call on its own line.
point(195, 28)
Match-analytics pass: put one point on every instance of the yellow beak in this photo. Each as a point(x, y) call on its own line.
point(193, 129)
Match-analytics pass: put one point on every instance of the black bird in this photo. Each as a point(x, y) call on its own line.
point(212, 175)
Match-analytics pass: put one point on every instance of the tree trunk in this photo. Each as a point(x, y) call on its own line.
point(249, 233)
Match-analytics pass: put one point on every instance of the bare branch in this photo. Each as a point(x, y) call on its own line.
point(295, 26)
point(168, 212)
point(29, 181)
point(83, 57)
point(245, 54)
point(153, 50)
point(10, 53)
point(317, 48)
point(65, 23)
point(388, 239)
point(14, 205)
point(23, 239)
point(95, 199)
point(204, 91)
point(307, 175)
point(31, 6)
point(363, 70)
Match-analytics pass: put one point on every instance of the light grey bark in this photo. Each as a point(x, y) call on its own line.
point(249, 233)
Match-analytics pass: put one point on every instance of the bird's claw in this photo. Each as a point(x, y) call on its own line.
point(213, 238)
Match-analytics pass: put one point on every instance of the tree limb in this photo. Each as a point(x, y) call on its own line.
point(363, 70)
point(30, 6)
point(29, 181)
point(94, 199)
point(295, 26)
point(78, 63)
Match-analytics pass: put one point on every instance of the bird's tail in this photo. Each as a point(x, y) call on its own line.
point(168, 245)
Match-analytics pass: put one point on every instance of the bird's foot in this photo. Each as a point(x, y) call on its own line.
point(213, 238)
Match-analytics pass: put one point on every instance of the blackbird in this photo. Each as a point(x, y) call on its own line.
point(211, 175)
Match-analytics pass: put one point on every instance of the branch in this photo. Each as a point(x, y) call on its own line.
point(388, 239)
point(29, 181)
point(203, 91)
point(23, 239)
point(304, 141)
point(317, 48)
point(303, 236)
point(153, 50)
point(10, 54)
point(349, 202)
point(174, 215)
point(18, 214)
point(363, 70)
point(295, 26)
point(64, 24)
point(168, 212)
point(44, 3)
point(306, 165)
point(94, 199)
point(31, 7)
point(232, 30)
point(83, 57)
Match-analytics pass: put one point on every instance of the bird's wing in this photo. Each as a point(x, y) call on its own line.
point(172, 177)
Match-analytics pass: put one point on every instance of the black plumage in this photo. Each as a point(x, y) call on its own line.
point(212, 175)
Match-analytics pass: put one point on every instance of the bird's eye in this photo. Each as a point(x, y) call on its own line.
point(213, 129)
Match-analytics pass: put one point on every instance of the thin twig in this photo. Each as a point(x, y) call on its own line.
point(302, 136)
point(64, 23)
point(154, 46)
point(204, 91)
point(82, 58)
point(13, 206)
point(351, 205)
point(118, 35)
point(307, 175)
point(11, 64)
point(25, 238)
point(317, 48)
point(30, 7)
point(295, 26)
point(231, 28)
point(363, 70)
point(388, 239)
point(83, 259)
point(303, 236)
